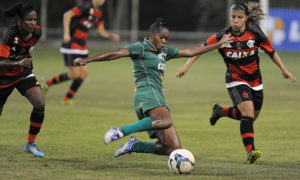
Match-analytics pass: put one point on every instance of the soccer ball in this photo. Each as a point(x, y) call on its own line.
point(181, 161)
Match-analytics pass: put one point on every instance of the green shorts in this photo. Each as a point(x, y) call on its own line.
point(145, 99)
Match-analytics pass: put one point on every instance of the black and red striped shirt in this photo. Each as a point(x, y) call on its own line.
point(241, 56)
point(14, 48)
point(86, 17)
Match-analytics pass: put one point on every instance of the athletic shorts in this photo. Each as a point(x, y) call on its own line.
point(145, 99)
point(69, 59)
point(243, 93)
point(21, 86)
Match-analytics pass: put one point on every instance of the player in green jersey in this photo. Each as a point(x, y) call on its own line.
point(149, 58)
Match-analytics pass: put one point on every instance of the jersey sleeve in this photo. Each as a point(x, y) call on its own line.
point(5, 43)
point(37, 31)
point(82, 8)
point(100, 21)
point(136, 49)
point(264, 42)
point(171, 53)
point(213, 39)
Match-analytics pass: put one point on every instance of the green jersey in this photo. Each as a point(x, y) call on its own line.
point(149, 64)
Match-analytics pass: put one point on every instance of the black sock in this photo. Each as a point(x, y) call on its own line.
point(58, 79)
point(231, 112)
point(36, 121)
point(73, 89)
point(247, 132)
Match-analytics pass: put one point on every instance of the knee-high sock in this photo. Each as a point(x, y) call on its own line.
point(144, 147)
point(247, 133)
point(58, 79)
point(141, 125)
point(231, 112)
point(36, 121)
point(73, 89)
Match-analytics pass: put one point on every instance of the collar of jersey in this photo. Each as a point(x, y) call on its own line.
point(148, 43)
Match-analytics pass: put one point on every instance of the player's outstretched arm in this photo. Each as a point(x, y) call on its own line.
point(198, 50)
point(286, 74)
point(6, 63)
point(104, 33)
point(107, 56)
point(184, 69)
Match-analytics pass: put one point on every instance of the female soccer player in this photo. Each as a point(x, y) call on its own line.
point(16, 68)
point(243, 77)
point(77, 22)
point(149, 58)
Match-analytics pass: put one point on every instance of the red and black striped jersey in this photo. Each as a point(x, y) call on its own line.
point(14, 48)
point(241, 56)
point(86, 17)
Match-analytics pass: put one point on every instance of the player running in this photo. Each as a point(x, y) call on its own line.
point(243, 77)
point(148, 59)
point(16, 67)
point(77, 22)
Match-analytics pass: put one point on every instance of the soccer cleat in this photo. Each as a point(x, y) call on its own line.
point(67, 102)
point(114, 133)
point(253, 156)
point(126, 147)
point(216, 114)
point(45, 86)
point(33, 149)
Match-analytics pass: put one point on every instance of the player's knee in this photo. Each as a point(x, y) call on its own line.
point(171, 148)
point(74, 74)
point(168, 123)
point(83, 75)
point(39, 104)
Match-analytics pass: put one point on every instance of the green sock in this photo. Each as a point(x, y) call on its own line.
point(142, 125)
point(144, 147)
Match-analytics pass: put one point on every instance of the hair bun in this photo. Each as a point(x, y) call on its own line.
point(160, 21)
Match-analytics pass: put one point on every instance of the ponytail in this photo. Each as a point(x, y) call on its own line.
point(255, 13)
point(155, 27)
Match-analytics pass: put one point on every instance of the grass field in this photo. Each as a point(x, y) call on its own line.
point(72, 136)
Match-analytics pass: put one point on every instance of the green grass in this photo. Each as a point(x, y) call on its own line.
point(72, 137)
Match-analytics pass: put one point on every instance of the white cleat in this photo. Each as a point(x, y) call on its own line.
point(114, 133)
point(124, 149)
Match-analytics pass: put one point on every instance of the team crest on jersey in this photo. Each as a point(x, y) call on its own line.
point(250, 43)
point(162, 56)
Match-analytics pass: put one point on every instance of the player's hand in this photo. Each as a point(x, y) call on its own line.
point(80, 61)
point(114, 37)
point(225, 41)
point(26, 62)
point(286, 74)
point(181, 71)
point(67, 38)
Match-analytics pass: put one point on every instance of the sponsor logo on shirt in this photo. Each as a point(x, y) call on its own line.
point(240, 55)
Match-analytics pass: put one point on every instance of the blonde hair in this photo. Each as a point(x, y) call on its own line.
point(255, 13)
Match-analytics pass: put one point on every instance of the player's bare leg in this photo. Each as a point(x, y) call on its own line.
point(168, 141)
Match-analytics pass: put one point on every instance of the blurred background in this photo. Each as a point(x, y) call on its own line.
point(190, 21)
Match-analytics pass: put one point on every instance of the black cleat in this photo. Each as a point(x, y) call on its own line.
point(216, 114)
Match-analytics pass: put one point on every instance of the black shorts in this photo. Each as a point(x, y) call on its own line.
point(243, 93)
point(69, 59)
point(21, 86)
